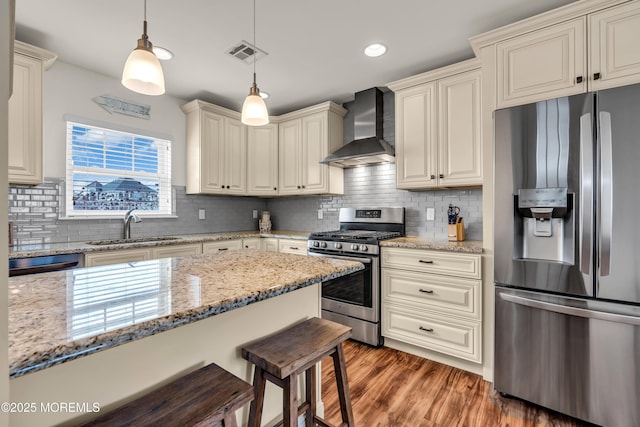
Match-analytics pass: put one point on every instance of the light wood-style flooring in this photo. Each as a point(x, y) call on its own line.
point(390, 388)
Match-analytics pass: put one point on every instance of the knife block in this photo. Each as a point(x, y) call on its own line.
point(456, 231)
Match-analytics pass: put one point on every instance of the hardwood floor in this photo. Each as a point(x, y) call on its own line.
point(390, 388)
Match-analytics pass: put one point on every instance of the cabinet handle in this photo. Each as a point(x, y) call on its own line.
point(426, 291)
point(425, 261)
point(426, 329)
point(433, 177)
point(223, 249)
point(596, 76)
point(441, 175)
point(579, 79)
point(293, 248)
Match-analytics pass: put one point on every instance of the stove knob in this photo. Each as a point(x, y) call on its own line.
point(316, 244)
point(354, 247)
point(338, 245)
point(323, 244)
point(364, 248)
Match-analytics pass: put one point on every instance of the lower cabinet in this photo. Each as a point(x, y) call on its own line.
point(292, 246)
point(221, 245)
point(176, 250)
point(433, 300)
point(252, 243)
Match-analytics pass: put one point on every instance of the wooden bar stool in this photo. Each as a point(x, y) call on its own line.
point(280, 358)
point(208, 396)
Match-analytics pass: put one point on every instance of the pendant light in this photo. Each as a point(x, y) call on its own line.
point(142, 72)
point(254, 110)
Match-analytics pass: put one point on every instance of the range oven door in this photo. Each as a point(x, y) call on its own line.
point(354, 295)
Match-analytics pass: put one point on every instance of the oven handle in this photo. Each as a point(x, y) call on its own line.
point(346, 258)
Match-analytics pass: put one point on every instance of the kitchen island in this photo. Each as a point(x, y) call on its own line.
point(97, 337)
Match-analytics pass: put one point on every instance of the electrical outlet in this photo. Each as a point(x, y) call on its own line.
point(320, 214)
point(431, 214)
point(201, 214)
point(255, 214)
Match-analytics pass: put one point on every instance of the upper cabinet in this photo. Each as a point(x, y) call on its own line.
point(216, 150)
point(262, 160)
point(591, 52)
point(25, 114)
point(438, 128)
point(306, 137)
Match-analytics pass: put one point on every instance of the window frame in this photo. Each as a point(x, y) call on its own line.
point(163, 175)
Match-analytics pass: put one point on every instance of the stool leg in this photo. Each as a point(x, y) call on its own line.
point(290, 389)
point(343, 386)
point(310, 392)
point(255, 411)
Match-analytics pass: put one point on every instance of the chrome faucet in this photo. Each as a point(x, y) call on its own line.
point(127, 222)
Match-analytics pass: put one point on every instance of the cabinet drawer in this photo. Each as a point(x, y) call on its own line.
point(292, 246)
point(460, 297)
point(222, 245)
point(455, 337)
point(115, 257)
point(176, 250)
point(453, 264)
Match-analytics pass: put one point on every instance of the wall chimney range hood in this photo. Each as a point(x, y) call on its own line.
point(368, 147)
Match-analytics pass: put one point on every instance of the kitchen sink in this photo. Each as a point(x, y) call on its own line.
point(125, 241)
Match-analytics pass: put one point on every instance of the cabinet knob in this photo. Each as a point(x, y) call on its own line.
point(298, 187)
point(596, 76)
point(433, 176)
point(275, 188)
point(426, 329)
point(222, 186)
point(441, 175)
point(304, 186)
point(227, 186)
point(579, 79)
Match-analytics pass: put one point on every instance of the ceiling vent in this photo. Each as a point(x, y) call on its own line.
point(245, 52)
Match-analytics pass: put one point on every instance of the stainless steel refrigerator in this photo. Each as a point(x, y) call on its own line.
point(567, 255)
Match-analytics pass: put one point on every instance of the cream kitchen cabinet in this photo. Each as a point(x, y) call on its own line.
point(591, 52)
point(433, 300)
point(269, 244)
point(170, 251)
point(262, 160)
point(292, 246)
point(438, 128)
point(216, 150)
point(253, 243)
point(92, 259)
point(221, 245)
point(305, 138)
point(25, 114)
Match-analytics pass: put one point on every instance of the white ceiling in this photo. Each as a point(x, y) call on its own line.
point(315, 47)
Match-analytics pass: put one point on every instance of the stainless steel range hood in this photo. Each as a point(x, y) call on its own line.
point(368, 147)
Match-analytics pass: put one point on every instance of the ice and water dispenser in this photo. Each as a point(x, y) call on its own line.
point(544, 222)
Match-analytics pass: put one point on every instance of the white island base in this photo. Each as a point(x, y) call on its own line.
point(111, 377)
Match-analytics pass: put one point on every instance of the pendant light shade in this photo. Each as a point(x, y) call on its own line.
point(254, 109)
point(142, 72)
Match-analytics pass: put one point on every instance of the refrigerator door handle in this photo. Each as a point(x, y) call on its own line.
point(606, 193)
point(571, 311)
point(586, 192)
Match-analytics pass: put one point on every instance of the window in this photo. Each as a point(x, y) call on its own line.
point(110, 172)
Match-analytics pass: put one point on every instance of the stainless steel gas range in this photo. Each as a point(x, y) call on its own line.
point(354, 300)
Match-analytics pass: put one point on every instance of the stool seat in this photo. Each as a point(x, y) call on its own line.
point(279, 358)
point(204, 397)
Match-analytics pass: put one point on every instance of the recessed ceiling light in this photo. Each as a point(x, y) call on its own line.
point(375, 49)
point(162, 53)
point(264, 94)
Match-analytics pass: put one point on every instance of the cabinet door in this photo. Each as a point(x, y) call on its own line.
point(459, 130)
point(289, 147)
point(221, 246)
point(25, 122)
point(614, 52)
point(176, 250)
point(270, 244)
point(262, 160)
point(211, 160)
point(416, 135)
point(92, 259)
point(235, 157)
point(315, 147)
point(543, 64)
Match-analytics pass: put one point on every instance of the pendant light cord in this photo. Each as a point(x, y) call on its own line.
point(255, 49)
point(145, 10)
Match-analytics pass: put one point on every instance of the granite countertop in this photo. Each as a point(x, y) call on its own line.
point(414, 242)
point(60, 316)
point(46, 249)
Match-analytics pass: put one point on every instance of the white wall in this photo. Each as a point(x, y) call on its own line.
point(70, 90)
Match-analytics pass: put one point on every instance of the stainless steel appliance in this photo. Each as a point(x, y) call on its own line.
point(354, 300)
point(44, 264)
point(567, 271)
